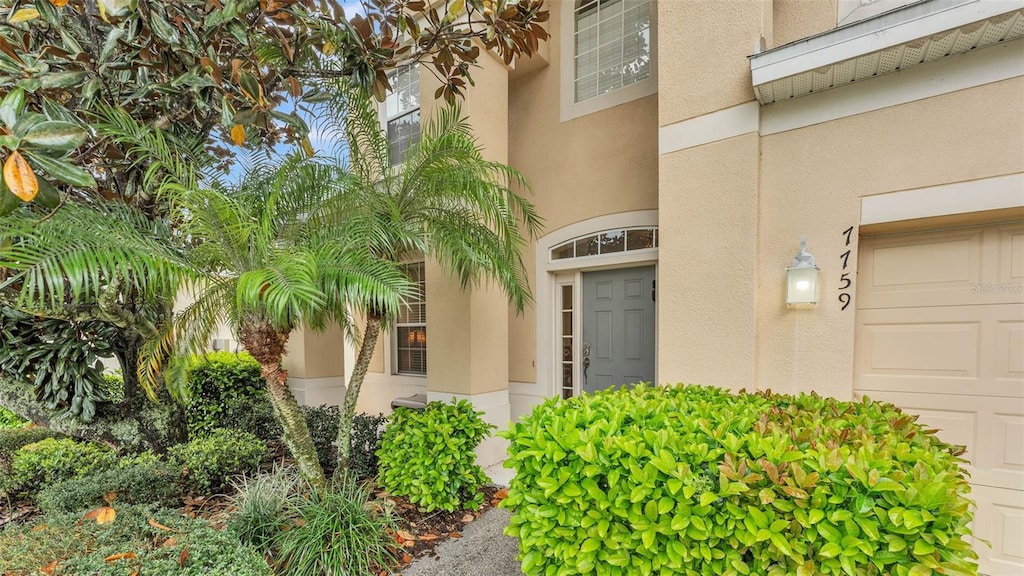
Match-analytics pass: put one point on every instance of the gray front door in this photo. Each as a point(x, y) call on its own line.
point(618, 327)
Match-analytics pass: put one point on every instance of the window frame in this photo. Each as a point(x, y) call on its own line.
point(395, 349)
point(570, 109)
point(386, 119)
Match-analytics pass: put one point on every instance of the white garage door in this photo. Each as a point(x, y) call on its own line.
point(940, 332)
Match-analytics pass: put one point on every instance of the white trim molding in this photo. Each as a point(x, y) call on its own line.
point(977, 68)
point(993, 193)
point(896, 40)
point(570, 109)
point(726, 123)
point(547, 282)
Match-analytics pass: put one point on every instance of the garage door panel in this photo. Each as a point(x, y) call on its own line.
point(948, 350)
point(923, 271)
point(1011, 250)
point(999, 520)
point(949, 268)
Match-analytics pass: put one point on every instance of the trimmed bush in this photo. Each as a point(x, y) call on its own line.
point(138, 547)
point(429, 456)
point(11, 439)
point(51, 460)
point(695, 480)
point(210, 462)
point(141, 482)
point(222, 386)
point(9, 419)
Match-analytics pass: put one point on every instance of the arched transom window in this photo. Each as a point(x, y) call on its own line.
point(607, 242)
point(613, 45)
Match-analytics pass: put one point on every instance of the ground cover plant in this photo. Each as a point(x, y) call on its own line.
point(132, 539)
point(696, 480)
point(429, 456)
point(134, 482)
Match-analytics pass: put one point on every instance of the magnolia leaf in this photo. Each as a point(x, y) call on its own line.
point(122, 556)
point(49, 568)
point(62, 79)
point(63, 170)
point(102, 515)
point(238, 134)
point(56, 135)
point(19, 177)
point(59, 3)
point(12, 106)
point(23, 15)
point(158, 525)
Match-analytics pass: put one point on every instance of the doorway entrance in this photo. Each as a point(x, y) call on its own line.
point(618, 314)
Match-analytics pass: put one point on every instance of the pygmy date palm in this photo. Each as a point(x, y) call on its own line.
point(445, 201)
point(277, 263)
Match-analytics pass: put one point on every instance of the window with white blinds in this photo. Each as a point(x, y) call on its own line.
point(612, 40)
point(402, 111)
point(410, 342)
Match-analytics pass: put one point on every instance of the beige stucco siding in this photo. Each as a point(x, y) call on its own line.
point(797, 19)
point(601, 163)
point(707, 264)
point(702, 54)
point(812, 180)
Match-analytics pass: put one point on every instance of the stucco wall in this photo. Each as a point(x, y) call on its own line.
point(707, 256)
point(601, 163)
point(702, 54)
point(797, 19)
point(812, 180)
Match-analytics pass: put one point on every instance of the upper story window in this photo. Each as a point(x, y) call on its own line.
point(613, 45)
point(402, 111)
point(410, 341)
point(609, 54)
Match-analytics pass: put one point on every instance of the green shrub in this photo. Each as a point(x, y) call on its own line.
point(9, 419)
point(341, 530)
point(81, 547)
point(11, 439)
point(367, 434)
point(37, 465)
point(323, 427)
point(140, 482)
point(694, 480)
point(210, 462)
point(429, 455)
point(113, 386)
point(221, 387)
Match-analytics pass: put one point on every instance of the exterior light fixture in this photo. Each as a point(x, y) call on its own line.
point(802, 278)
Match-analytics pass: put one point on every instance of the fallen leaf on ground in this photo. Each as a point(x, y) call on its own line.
point(170, 542)
point(109, 498)
point(158, 525)
point(468, 518)
point(428, 537)
point(101, 515)
point(183, 557)
point(49, 568)
point(122, 556)
point(501, 494)
point(456, 535)
point(405, 536)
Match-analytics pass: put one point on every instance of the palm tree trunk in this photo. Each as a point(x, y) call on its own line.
point(267, 346)
point(355, 383)
point(296, 431)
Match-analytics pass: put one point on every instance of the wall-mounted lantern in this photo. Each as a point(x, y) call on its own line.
point(802, 278)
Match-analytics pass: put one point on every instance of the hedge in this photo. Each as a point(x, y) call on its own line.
point(696, 480)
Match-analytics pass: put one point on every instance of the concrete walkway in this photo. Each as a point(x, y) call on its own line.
point(483, 550)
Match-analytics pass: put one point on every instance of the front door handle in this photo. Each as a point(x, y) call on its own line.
point(586, 362)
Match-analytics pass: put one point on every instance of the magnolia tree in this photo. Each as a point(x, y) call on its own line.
point(201, 76)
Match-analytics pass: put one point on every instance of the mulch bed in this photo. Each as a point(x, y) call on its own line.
point(419, 532)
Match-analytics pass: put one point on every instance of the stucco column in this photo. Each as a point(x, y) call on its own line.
point(467, 349)
point(315, 362)
point(709, 192)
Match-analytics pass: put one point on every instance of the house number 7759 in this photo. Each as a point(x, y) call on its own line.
point(844, 280)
